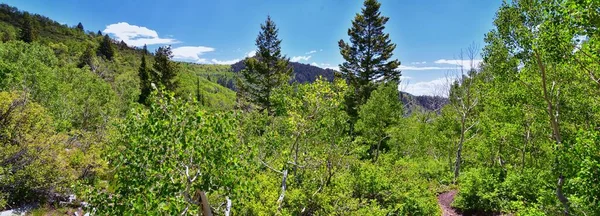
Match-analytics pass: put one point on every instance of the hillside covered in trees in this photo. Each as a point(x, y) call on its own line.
point(91, 124)
point(303, 73)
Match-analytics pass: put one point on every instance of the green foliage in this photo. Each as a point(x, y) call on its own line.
point(75, 97)
point(521, 121)
point(367, 56)
point(28, 29)
point(266, 71)
point(214, 96)
point(164, 154)
point(496, 190)
point(537, 98)
point(585, 184)
point(164, 70)
point(106, 48)
point(145, 81)
point(306, 138)
point(88, 58)
point(7, 32)
point(220, 74)
point(33, 156)
point(396, 187)
point(376, 116)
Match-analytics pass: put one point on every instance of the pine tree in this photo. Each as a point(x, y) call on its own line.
point(145, 80)
point(123, 45)
point(99, 33)
point(145, 50)
point(165, 70)
point(106, 48)
point(28, 31)
point(367, 56)
point(80, 27)
point(267, 70)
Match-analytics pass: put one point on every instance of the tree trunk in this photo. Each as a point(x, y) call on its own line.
point(555, 133)
point(204, 206)
point(283, 187)
point(523, 152)
point(377, 149)
point(459, 150)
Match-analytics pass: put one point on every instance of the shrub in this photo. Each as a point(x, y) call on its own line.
point(485, 189)
point(480, 189)
point(396, 186)
point(33, 161)
point(168, 153)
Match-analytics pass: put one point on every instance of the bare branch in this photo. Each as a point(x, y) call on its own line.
point(283, 187)
point(266, 165)
point(228, 206)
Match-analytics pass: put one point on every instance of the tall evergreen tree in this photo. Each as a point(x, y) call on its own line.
point(267, 70)
point(165, 70)
point(80, 26)
point(106, 48)
point(28, 31)
point(99, 33)
point(367, 56)
point(145, 80)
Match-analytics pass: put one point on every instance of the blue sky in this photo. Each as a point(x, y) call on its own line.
point(429, 34)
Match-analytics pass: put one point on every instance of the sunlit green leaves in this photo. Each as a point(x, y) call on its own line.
point(166, 153)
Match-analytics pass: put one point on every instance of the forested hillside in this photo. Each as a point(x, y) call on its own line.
point(226, 76)
point(303, 73)
point(90, 124)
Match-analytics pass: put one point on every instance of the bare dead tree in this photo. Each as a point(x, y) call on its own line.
point(464, 98)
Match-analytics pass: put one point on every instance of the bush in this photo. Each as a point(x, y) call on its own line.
point(491, 190)
point(480, 189)
point(75, 98)
point(583, 186)
point(399, 187)
point(33, 156)
point(165, 155)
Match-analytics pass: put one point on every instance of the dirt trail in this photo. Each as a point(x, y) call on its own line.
point(444, 200)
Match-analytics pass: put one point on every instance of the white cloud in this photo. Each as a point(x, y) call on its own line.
point(225, 62)
point(466, 64)
point(300, 58)
point(336, 68)
point(191, 53)
point(418, 63)
point(416, 68)
point(136, 35)
point(436, 87)
point(310, 52)
point(329, 66)
point(251, 54)
point(325, 66)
